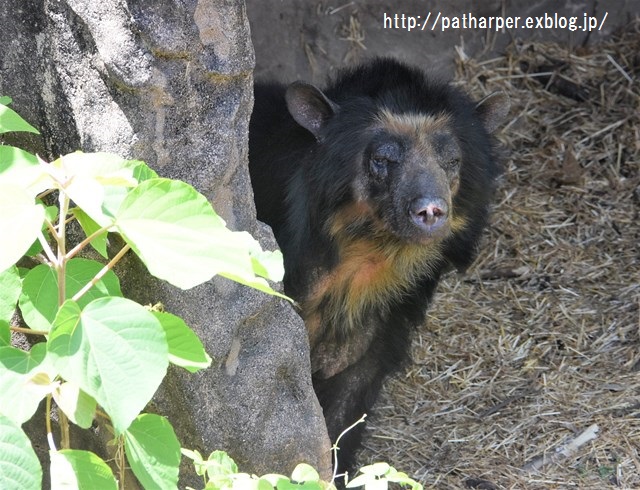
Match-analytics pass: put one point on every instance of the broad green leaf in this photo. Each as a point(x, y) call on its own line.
point(403, 479)
point(19, 466)
point(274, 479)
point(107, 168)
point(221, 469)
point(248, 279)
point(12, 158)
point(305, 473)
point(171, 228)
point(39, 298)
point(114, 350)
point(10, 287)
point(5, 334)
point(20, 361)
point(369, 482)
point(377, 469)
point(24, 171)
point(79, 407)
point(24, 381)
point(264, 263)
point(11, 121)
point(198, 460)
point(73, 469)
point(20, 222)
point(91, 179)
point(264, 484)
point(185, 348)
point(268, 264)
point(221, 463)
point(99, 243)
point(289, 485)
point(179, 237)
point(50, 215)
point(142, 171)
point(153, 451)
point(5, 100)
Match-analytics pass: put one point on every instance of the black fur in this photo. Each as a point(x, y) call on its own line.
point(314, 155)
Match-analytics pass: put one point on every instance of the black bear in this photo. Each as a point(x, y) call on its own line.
point(374, 187)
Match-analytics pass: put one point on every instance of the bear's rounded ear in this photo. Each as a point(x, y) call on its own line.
point(493, 110)
point(309, 106)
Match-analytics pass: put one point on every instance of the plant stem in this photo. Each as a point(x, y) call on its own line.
point(64, 429)
point(120, 462)
point(45, 246)
point(28, 331)
point(51, 228)
point(335, 446)
point(86, 242)
point(102, 272)
point(61, 266)
point(47, 420)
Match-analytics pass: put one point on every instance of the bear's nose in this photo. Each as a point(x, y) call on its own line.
point(428, 213)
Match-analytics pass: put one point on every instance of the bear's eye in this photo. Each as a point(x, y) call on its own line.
point(383, 155)
point(452, 165)
point(378, 166)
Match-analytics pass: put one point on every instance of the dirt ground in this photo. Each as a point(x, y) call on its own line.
point(527, 374)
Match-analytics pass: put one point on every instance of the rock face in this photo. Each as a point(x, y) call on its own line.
point(171, 83)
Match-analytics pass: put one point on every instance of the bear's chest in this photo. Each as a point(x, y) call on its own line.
point(366, 281)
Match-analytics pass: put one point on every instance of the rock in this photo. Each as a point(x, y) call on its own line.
point(170, 83)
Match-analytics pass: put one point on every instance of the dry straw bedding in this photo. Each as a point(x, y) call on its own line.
point(527, 374)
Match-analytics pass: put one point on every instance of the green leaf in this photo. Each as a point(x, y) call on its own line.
point(10, 287)
point(198, 460)
point(22, 362)
point(114, 350)
point(11, 121)
point(80, 470)
point(142, 171)
point(20, 220)
point(185, 348)
point(93, 179)
point(179, 237)
point(170, 226)
point(289, 485)
point(268, 264)
point(19, 466)
point(106, 168)
point(23, 170)
point(99, 243)
point(5, 100)
point(221, 463)
point(39, 298)
point(12, 158)
point(305, 473)
point(76, 404)
point(50, 215)
point(221, 469)
point(377, 469)
point(369, 482)
point(274, 479)
point(153, 451)
point(25, 379)
point(264, 484)
point(5, 334)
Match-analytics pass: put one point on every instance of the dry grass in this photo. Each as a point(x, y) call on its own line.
point(541, 339)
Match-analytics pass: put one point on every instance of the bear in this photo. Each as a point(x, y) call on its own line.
point(374, 186)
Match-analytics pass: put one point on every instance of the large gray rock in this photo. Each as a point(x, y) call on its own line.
point(171, 83)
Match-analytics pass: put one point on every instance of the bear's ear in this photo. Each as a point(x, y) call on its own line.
point(493, 110)
point(309, 106)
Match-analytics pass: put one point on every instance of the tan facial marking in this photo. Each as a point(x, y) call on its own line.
point(415, 126)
